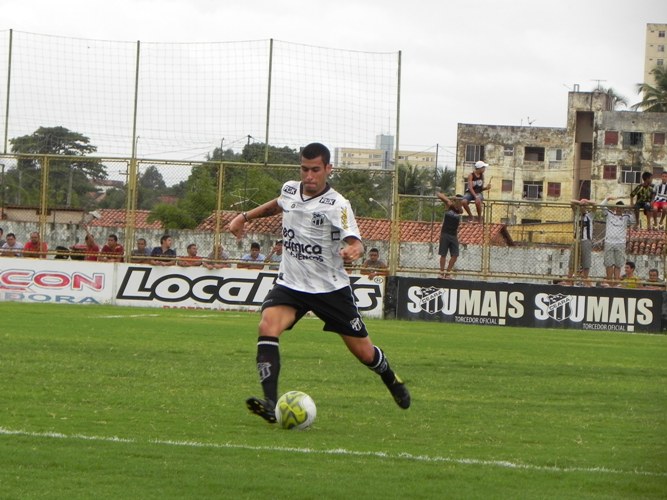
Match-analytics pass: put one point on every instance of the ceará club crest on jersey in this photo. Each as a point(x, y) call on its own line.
point(317, 219)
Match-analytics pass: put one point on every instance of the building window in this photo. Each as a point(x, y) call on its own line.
point(631, 175)
point(659, 139)
point(661, 34)
point(533, 153)
point(532, 190)
point(586, 151)
point(553, 189)
point(659, 62)
point(474, 152)
point(609, 173)
point(555, 154)
point(508, 151)
point(661, 48)
point(508, 186)
point(632, 139)
point(610, 138)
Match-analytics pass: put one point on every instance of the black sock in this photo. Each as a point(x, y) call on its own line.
point(380, 365)
point(268, 366)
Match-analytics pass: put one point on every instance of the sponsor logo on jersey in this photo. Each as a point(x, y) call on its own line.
point(289, 190)
point(335, 235)
point(327, 201)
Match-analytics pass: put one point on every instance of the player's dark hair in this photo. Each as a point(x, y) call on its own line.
point(164, 238)
point(647, 175)
point(254, 244)
point(113, 237)
point(631, 264)
point(315, 150)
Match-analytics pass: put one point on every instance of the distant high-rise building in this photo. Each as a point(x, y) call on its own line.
point(655, 50)
point(382, 156)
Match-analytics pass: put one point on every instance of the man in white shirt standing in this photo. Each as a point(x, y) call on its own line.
point(320, 235)
point(615, 238)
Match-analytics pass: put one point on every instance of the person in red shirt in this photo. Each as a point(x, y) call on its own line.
point(92, 249)
point(191, 259)
point(35, 248)
point(112, 251)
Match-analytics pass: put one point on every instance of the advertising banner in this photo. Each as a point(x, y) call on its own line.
point(64, 281)
point(56, 281)
point(520, 304)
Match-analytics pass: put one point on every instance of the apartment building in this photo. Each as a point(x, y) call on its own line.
point(600, 152)
point(654, 53)
point(382, 156)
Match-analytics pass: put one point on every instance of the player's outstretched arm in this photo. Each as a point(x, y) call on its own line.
point(266, 210)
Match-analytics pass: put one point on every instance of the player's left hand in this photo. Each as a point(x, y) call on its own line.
point(353, 251)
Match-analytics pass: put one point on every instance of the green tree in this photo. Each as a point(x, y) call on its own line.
point(616, 100)
point(172, 217)
point(69, 180)
point(654, 99)
point(150, 187)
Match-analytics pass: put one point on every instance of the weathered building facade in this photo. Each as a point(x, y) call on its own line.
point(600, 152)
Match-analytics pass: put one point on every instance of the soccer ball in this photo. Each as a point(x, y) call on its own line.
point(295, 410)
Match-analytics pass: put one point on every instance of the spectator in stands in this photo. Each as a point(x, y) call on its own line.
point(644, 192)
point(653, 283)
point(254, 259)
point(191, 259)
point(585, 240)
point(142, 253)
point(112, 251)
point(449, 238)
point(618, 220)
point(11, 248)
point(216, 258)
point(35, 248)
point(475, 188)
point(275, 256)
point(629, 279)
point(2, 240)
point(163, 255)
point(92, 250)
point(660, 202)
point(374, 266)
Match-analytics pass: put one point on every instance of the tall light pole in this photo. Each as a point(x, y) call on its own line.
point(386, 210)
point(2, 191)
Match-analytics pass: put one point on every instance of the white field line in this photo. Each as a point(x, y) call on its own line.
point(340, 452)
point(116, 316)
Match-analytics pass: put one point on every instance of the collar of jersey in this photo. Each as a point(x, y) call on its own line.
point(326, 188)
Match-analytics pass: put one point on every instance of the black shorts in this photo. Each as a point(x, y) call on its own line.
point(337, 309)
point(448, 243)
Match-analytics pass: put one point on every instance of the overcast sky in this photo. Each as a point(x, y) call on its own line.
point(479, 61)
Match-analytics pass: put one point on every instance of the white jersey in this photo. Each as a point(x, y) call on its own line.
point(661, 192)
point(313, 234)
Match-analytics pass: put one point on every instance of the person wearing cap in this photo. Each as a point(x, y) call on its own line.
point(475, 188)
point(449, 238)
point(615, 238)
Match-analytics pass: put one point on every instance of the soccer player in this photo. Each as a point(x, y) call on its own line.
point(320, 234)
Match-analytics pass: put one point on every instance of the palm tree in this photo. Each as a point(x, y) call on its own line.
point(655, 97)
point(615, 100)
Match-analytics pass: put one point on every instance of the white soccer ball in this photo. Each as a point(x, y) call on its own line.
point(295, 410)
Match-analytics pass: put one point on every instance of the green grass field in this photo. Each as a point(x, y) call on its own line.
point(111, 402)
